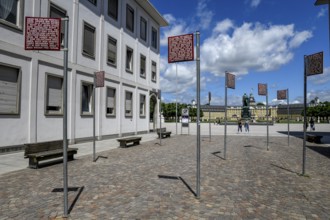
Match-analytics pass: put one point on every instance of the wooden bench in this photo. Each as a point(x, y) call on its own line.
point(46, 150)
point(164, 133)
point(314, 138)
point(124, 141)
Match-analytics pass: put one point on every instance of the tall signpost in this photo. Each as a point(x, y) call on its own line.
point(160, 116)
point(230, 83)
point(281, 95)
point(210, 115)
point(313, 65)
point(45, 34)
point(181, 48)
point(263, 91)
point(98, 83)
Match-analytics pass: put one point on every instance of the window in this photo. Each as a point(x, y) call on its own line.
point(154, 38)
point(143, 66)
point(56, 12)
point(143, 29)
point(142, 105)
point(89, 40)
point(11, 12)
point(128, 104)
point(154, 71)
point(129, 18)
point(9, 90)
point(93, 1)
point(54, 95)
point(112, 51)
point(111, 102)
point(86, 98)
point(113, 9)
point(129, 59)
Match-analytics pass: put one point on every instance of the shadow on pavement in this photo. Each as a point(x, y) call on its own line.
point(283, 168)
point(178, 178)
point(74, 189)
point(216, 154)
point(325, 151)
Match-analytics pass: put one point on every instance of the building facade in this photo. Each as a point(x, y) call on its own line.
point(120, 37)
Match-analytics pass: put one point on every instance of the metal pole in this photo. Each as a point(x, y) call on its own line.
point(160, 118)
point(267, 114)
point(225, 147)
point(287, 94)
point(176, 99)
point(65, 116)
point(94, 90)
point(210, 120)
point(305, 120)
point(198, 109)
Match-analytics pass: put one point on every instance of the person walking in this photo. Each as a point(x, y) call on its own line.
point(311, 124)
point(246, 126)
point(239, 126)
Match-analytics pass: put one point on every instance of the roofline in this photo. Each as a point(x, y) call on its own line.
point(152, 11)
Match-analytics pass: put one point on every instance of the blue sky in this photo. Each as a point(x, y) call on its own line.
point(260, 41)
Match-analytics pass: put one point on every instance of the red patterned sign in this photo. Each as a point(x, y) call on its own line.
point(42, 33)
point(314, 64)
point(230, 80)
point(262, 89)
point(181, 48)
point(281, 94)
point(99, 79)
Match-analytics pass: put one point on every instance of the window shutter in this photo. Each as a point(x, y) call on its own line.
point(54, 91)
point(88, 46)
point(9, 89)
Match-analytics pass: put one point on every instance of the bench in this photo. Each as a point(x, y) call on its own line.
point(124, 141)
point(164, 133)
point(45, 151)
point(314, 138)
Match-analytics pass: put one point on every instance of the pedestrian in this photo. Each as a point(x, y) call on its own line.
point(239, 126)
point(311, 123)
point(246, 126)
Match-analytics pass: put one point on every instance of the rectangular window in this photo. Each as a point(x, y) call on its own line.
point(93, 2)
point(153, 71)
point(86, 98)
point(129, 59)
point(113, 9)
point(154, 38)
point(11, 12)
point(112, 51)
point(111, 102)
point(89, 40)
point(129, 18)
point(143, 29)
point(142, 105)
point(9, 90)
point(54, 95)
point(143, 66)
point(56, 12)
point(128, 104)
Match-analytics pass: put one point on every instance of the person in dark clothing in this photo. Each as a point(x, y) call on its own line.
point(239, 126)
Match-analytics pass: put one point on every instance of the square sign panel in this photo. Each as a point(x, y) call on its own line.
point(181, 48)
point(314, 64)
point(281, 94)
point(42, 33)
point(99, 79)
point(262, 89)
point(230, 80)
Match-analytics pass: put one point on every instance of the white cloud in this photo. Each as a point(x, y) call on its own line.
point(204, 15)
point(250, 47)
point(255, 3)
point(322, 12)
point(321, 78)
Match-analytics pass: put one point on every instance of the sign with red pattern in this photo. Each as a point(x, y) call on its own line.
point(262, 89)
point(314, 64)
point(230, 80)
point(281, 94)
point(181, 48)
point(42, 33)
point(99, 79)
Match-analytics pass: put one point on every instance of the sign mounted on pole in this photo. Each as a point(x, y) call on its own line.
point(181, 48)
point(262, 89)
point(209, 97)
point(42, 33)
point(230, 80)
point(314, 64)
point(99, 79)
point(281, 94)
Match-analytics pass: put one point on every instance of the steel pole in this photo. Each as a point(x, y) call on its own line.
point(267, 114)
point(94, 90)
point(210, 120)
point(305, 120)
point(198, 110)
point(176, 99)
point(287, 94)
point(225, 138)
point(65, 116)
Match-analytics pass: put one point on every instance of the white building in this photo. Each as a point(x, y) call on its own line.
point(120, 37)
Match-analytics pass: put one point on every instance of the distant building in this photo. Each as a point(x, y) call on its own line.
point(120, 37)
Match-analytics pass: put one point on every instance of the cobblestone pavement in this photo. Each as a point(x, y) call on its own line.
point(150, 181)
